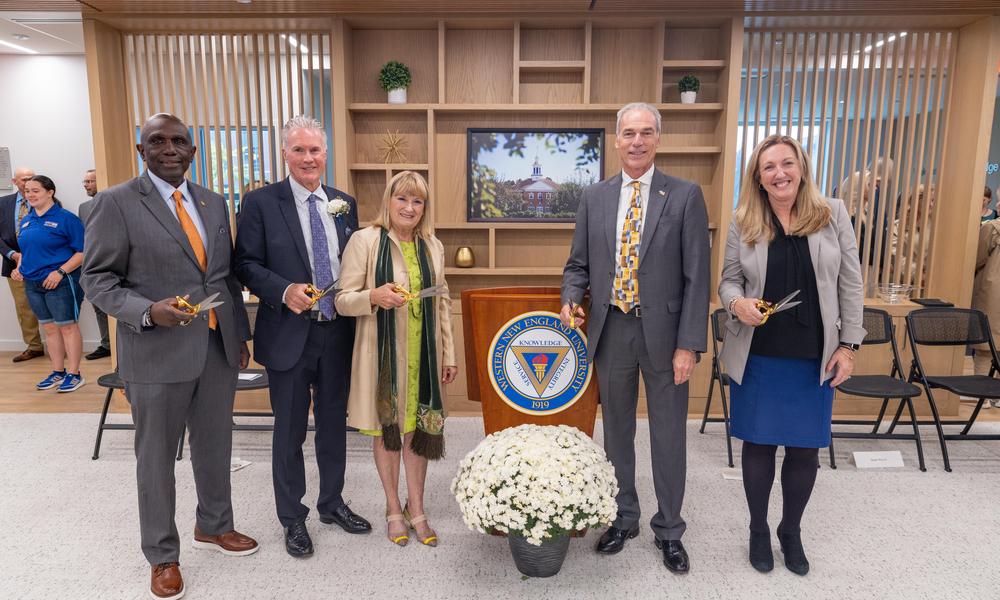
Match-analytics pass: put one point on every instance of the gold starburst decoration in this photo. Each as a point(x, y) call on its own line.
point(392, 148)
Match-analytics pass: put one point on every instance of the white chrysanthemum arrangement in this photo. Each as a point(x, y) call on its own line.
point(536, 482)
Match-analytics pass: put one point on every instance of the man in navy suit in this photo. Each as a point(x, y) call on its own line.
point(12, 209)
point(290, 236)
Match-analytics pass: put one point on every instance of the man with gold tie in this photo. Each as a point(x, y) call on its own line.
point(150, 243)
point(13, 208)
point(641, 248)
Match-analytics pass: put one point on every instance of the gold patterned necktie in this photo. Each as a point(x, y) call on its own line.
point(22, 211)
point(626, 284)
point(195, 238)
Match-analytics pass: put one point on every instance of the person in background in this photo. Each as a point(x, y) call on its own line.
point(786, 238)
point(51, 241)
point(987, 213)
point(399, 248)
point(86, 207)
point(13, 208)
point(986, 293)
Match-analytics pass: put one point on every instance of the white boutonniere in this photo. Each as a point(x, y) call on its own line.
point(338, 206)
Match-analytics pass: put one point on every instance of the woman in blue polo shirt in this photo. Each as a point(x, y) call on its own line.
point(51, 240)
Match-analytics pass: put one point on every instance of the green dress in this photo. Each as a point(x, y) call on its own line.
point(414, 323)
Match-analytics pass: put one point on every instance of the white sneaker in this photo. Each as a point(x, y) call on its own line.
point(995, 403)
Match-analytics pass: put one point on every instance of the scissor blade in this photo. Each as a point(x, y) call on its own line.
point(780, 303)
point(434, 290)
point(786, 306)
point(210, 299)
point(209, 306)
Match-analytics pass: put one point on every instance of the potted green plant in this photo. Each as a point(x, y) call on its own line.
point(536, 484)
point(689, 86)
point(395, 78)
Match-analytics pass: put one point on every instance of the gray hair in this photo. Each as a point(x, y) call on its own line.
point(301, 122)
point(638, 106)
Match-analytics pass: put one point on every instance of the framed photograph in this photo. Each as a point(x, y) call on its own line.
point(531, 174)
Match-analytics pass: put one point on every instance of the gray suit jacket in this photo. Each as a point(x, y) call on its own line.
point(674, 267)
point(86, 208)
point(135, 253)
point(834, 253)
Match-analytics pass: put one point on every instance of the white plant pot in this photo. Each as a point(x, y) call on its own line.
point(686, 97)
point(397, 96)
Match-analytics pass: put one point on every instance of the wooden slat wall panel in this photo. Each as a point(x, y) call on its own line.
point(852, 98)
point(234, 90)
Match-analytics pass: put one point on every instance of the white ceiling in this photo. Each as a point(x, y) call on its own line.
point(48, 32)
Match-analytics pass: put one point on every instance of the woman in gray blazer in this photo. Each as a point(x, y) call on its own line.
point(785, 237)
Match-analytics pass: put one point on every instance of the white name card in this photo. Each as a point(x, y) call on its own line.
point(886, 459)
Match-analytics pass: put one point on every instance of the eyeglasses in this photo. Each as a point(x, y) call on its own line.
point(645, 134)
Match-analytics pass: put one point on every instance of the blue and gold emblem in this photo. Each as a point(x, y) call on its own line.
point(537, 366)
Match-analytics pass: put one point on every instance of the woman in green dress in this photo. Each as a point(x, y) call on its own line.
point(403, 348)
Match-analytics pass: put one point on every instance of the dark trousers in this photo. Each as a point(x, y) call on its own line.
point(621, 357)
point(322, 377)
point(160, 411)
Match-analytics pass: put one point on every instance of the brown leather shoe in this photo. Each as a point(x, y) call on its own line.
point(165, 581)
point(28, 354)
point(231, 543)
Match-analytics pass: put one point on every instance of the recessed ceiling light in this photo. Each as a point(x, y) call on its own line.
point(21, 36)
point(244, 1)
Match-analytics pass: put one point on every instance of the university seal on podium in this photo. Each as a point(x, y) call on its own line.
point(537, 366)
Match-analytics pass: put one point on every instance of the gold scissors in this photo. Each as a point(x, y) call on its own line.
point(317, 293)
point(193, 309)
point(572, 314)
point(767, 309)
point(408, 296)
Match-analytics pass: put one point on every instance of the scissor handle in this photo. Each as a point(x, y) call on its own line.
point(186, 306)
point(765, 309)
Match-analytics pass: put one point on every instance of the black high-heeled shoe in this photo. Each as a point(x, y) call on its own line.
point(795, 554)
point(761, 555)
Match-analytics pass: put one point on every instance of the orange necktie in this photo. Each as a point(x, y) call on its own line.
point(199, 249)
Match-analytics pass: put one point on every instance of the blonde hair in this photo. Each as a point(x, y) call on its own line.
point(408, 183)
point(753, 212)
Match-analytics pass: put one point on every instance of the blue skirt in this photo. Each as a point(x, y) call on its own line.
point(781, 403)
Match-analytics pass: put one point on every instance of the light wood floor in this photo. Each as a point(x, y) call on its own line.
point(18, 393)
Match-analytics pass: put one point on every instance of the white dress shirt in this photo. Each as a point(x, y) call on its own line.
point(301, 196)
point(624, 202)
point(167, 193)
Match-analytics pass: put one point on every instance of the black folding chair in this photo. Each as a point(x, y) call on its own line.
point(880, 330)
point(952, 327)
point(719, 318)
point(113, 382)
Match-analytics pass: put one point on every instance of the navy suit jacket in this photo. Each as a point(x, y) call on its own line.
point(8, 237)
point(271, 255)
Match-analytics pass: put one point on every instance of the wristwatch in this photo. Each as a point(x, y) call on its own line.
point(61, 272)
point(853, 347)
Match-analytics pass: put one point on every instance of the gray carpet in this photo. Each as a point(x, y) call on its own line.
point(70, 529)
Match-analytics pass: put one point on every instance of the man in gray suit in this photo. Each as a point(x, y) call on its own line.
point(149, 240)
point(103, 350)
point(641, 247)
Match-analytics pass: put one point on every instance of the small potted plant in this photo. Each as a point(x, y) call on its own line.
point(395, 78)
point(536, 484)
point(688, 86)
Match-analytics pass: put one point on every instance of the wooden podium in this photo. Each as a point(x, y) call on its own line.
point(485, 311)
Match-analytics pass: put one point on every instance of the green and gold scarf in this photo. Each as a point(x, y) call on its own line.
point(428, 439)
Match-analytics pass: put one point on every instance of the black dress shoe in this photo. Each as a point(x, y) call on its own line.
point(100, 352)
point(614, 539)
point(297, 540)
point(761, 555)
point(675, 557)
point(795, 554)
point(348, 521)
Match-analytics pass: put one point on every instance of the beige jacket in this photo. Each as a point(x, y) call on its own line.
point(986, 287)
point(357, 279)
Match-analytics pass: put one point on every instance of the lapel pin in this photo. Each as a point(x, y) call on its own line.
point(662, 193)
point(202, 202)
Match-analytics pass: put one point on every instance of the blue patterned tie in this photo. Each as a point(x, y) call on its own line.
point(322, 273)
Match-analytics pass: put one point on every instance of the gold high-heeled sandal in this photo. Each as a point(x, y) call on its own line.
point(411, 521)
point(400, 540)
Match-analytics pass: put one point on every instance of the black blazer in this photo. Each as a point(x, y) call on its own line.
point(8, 236)
point(271, 255)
